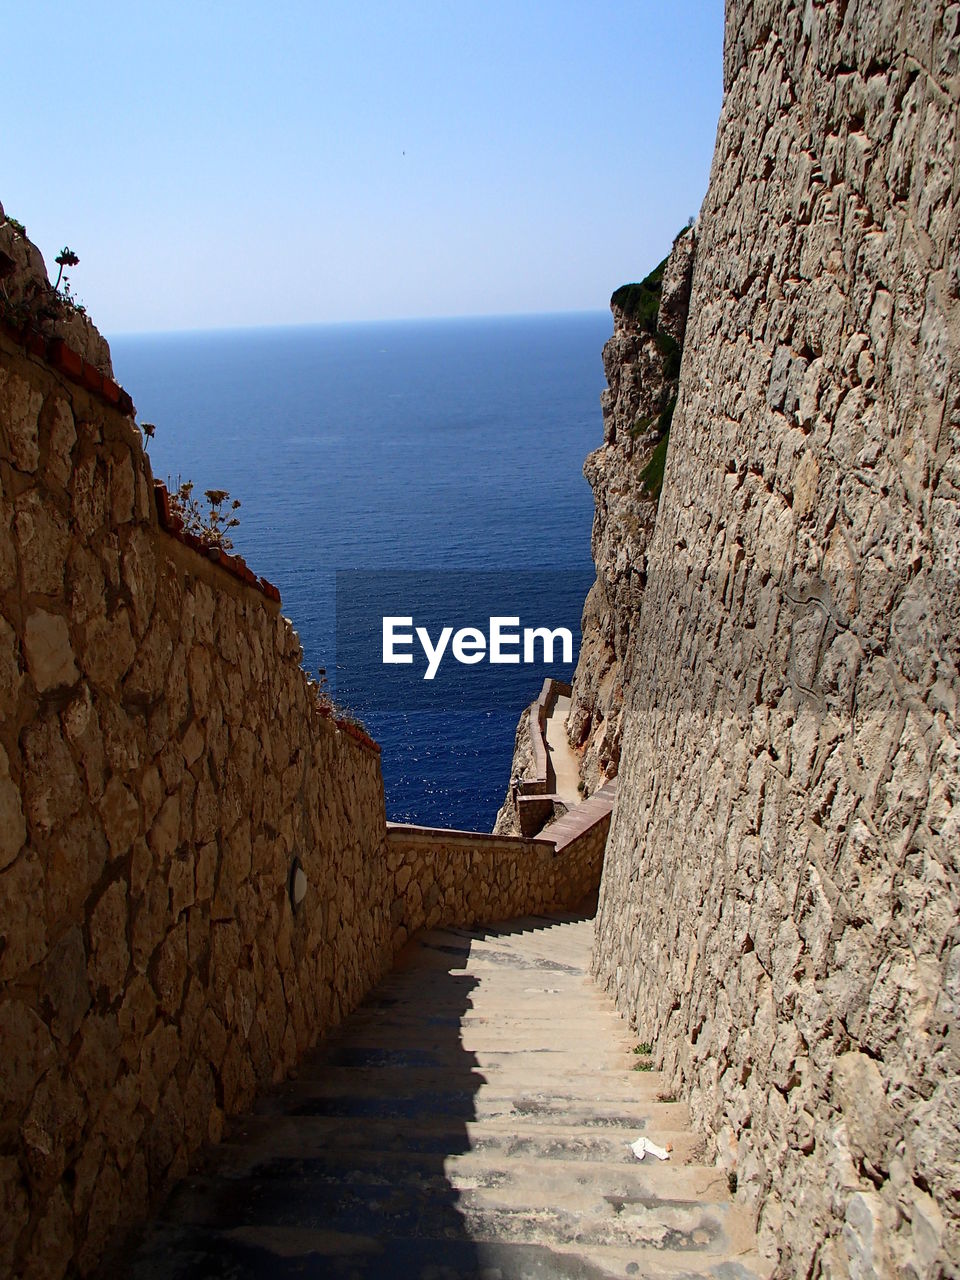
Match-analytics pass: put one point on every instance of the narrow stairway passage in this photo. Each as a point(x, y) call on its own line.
point(471, 1120)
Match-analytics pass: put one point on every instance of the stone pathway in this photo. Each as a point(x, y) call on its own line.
point(471, 1119)
point(566, 766)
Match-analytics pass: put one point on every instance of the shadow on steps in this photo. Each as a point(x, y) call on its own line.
point(340, 1172)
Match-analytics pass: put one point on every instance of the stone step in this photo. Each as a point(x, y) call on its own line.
point(305, 1100)
point(492, 1051)
point(360, 1201)
point(519, 1008)
point(512, 1031)
point(507, 1169)
point(601, 1043)
point(495, 1062)
point(501, 1079)
point(292, 1253)
point(510, 1024)
point(254, 1137)
point(538, 967)
point(394, 1066)
point(471, 1121)
point(402, 1061)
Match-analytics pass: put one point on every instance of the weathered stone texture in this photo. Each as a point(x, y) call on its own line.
point(28, 292)
point(779, 908)
point(162, 761)
point(522, 767)
point(464, 878)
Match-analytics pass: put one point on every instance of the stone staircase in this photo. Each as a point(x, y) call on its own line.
point(471, 1119)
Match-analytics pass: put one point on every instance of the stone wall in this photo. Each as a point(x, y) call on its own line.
point(463, 878)
point(163, 761)
point(779, 908)
point(531, 799)
point(166, 767)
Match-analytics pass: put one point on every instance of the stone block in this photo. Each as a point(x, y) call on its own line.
point(96, 1061)
point(61, 436)
point(164, 832)
point(51, 1128)
point(108, 649)
point(120, 813)
point(28, 1053)
point(65, 991)
point(13, 828)
point(20, 408)
point(169, 970)
point(48, 651)
point(110, 957)
point(53, 1243)
point(22, 916)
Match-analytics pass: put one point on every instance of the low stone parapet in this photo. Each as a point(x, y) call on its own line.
point(543, 781)
point(446, 877)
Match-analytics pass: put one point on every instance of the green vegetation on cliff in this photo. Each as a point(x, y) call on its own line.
point(641, 302)
point(651, 477)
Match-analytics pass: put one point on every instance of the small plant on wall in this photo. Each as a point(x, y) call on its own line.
point(62, 291)
point(221, 517)
point(65, 258)
point(36, 303)
point(212, 524)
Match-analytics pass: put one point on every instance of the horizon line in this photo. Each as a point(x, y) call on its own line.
point(198, 330)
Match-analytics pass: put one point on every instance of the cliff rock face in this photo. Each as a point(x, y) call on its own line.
point(779, 908)
point(642, 365)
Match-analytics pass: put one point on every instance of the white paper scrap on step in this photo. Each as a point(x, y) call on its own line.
point(644, 1147)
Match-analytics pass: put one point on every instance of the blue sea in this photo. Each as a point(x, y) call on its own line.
point(451, 450)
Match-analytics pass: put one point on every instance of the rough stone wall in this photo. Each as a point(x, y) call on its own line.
point(779, 907)
point(162, 762)
point(531, 799)
point(640, 385)
point(463, 878)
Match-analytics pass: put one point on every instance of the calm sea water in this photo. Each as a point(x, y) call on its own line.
point(423, 445)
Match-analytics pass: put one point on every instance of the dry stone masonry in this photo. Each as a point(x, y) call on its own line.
point(779, 908)
point(465, 878)
point(163, 762)
point(166, 769)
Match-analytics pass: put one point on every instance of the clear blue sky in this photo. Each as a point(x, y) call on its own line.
point(219, 164)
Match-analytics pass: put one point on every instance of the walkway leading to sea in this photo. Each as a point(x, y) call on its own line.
point(471, 1119)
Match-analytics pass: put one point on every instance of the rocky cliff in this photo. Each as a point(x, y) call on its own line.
point(642, 366)
point(779, 908)
point(642, 362)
